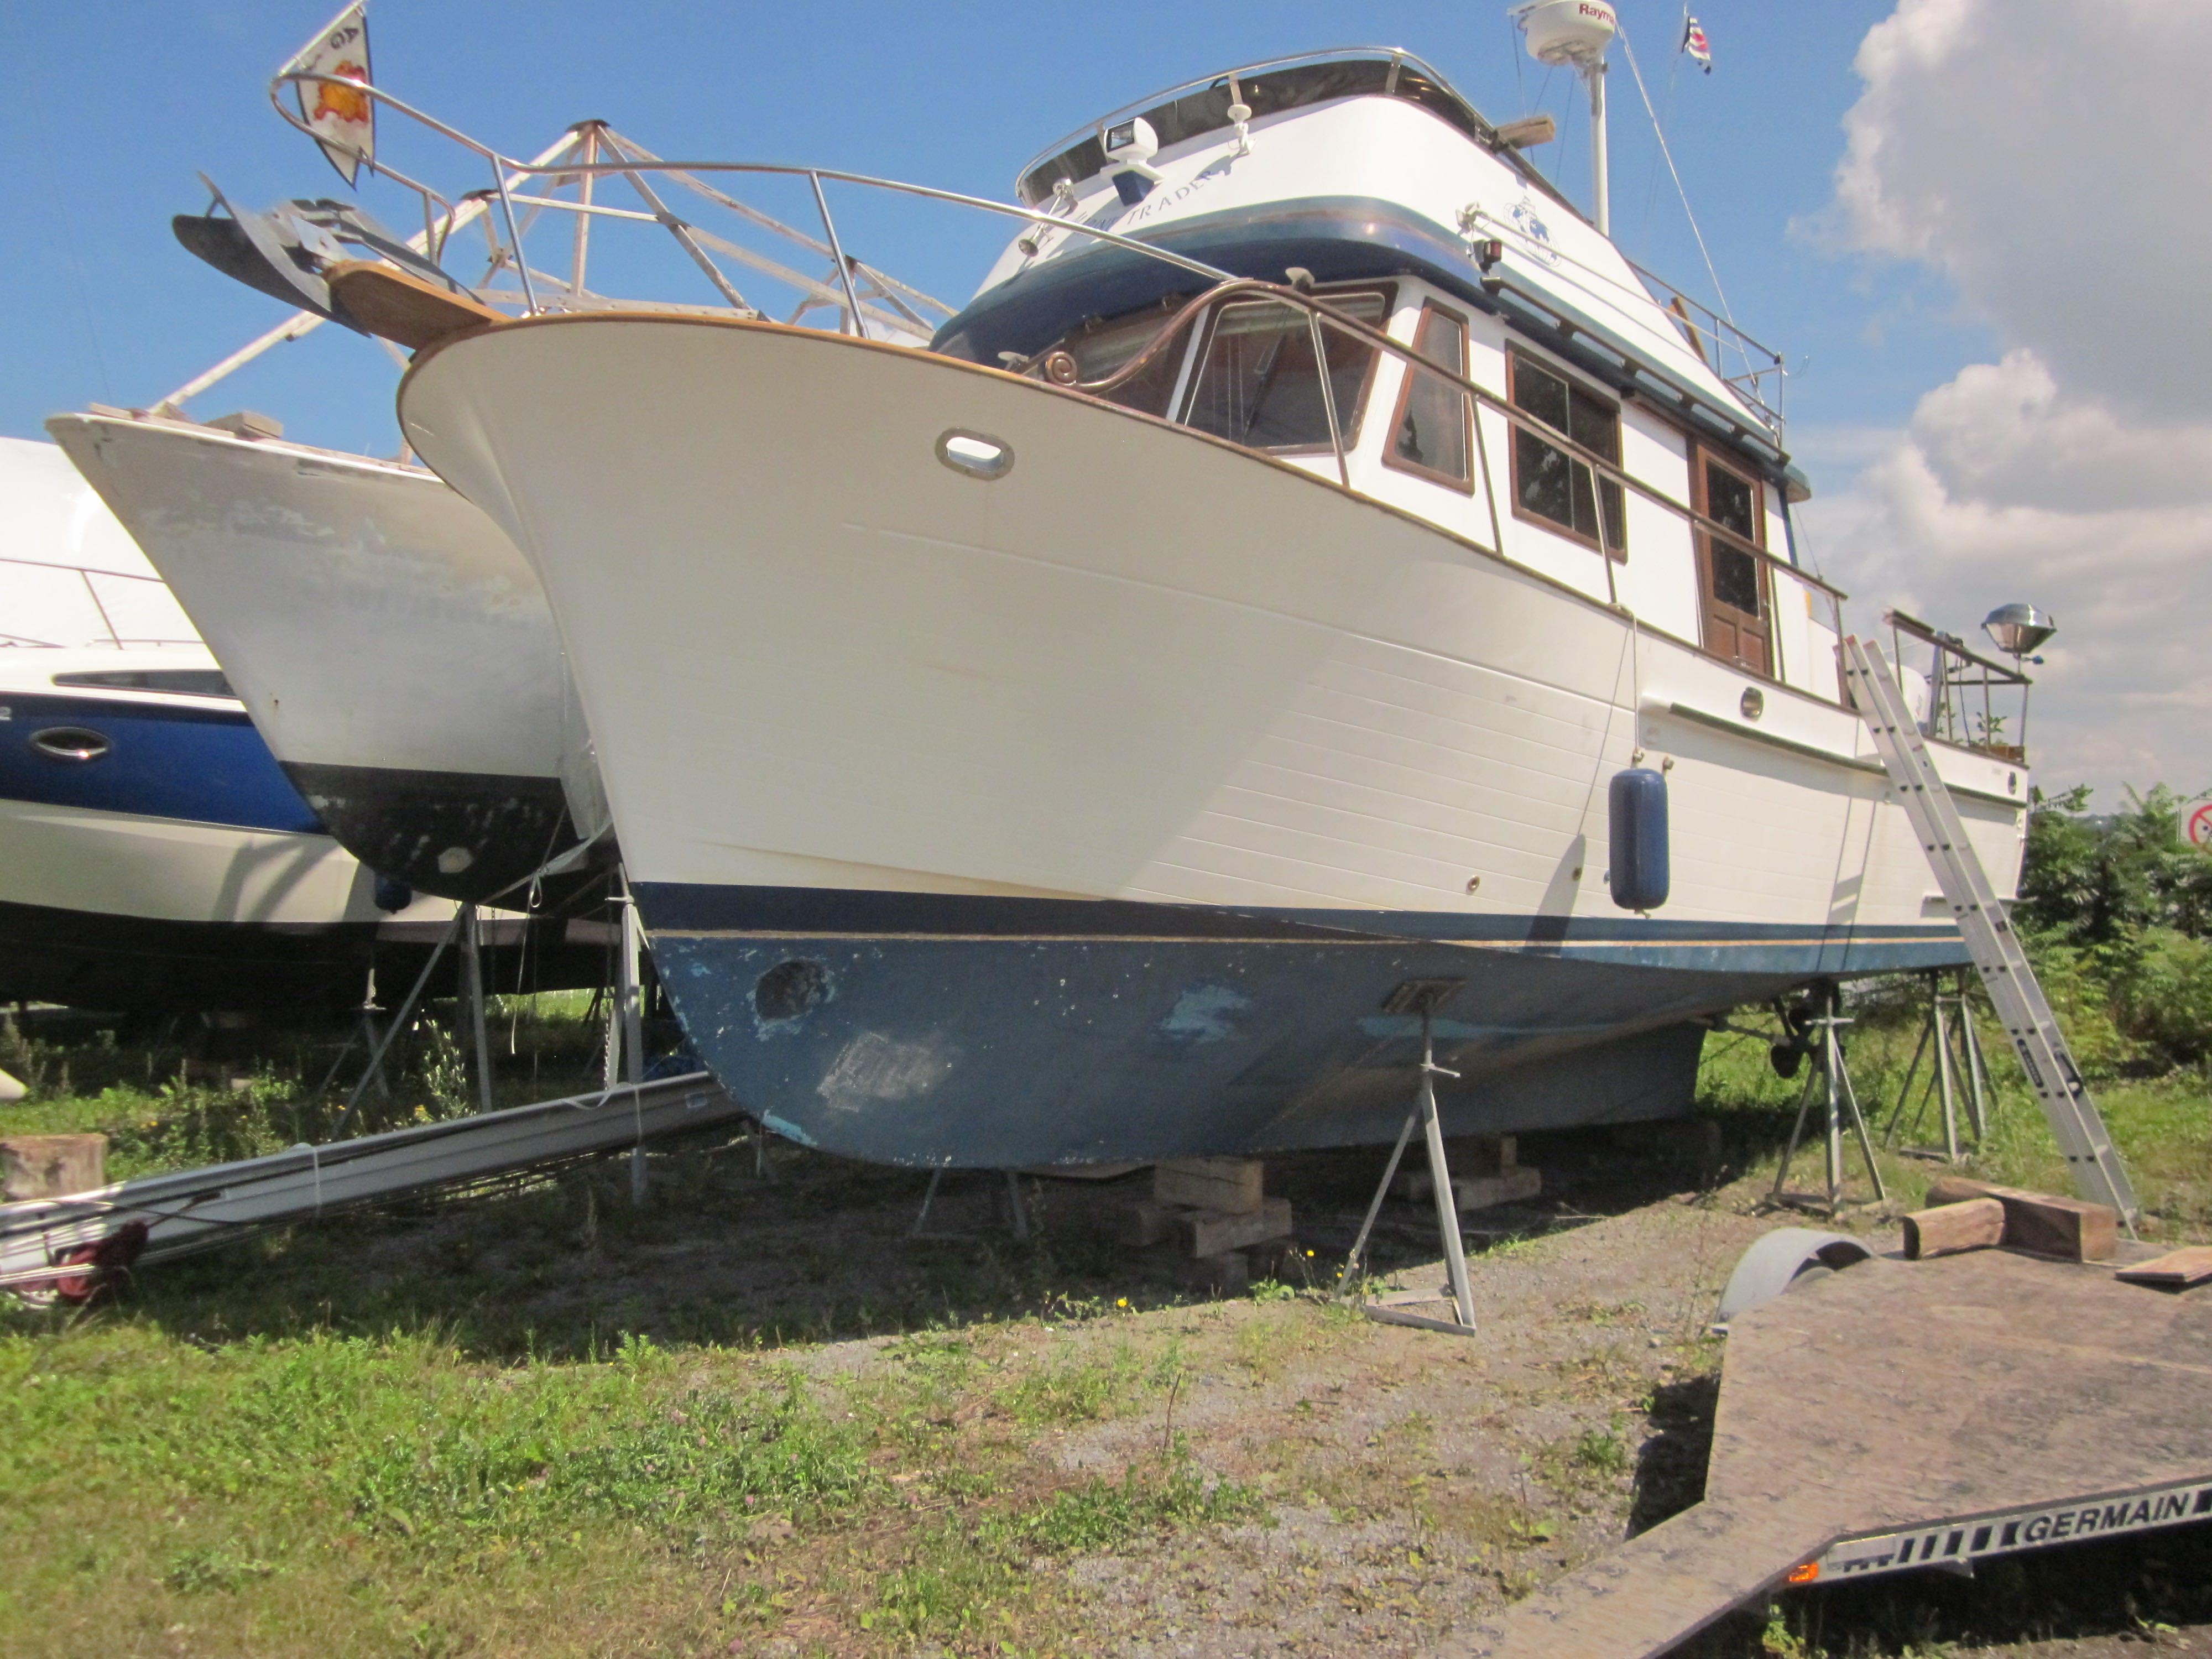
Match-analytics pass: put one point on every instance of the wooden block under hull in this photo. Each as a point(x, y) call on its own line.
point(52, 1166)
point(1234, 1186)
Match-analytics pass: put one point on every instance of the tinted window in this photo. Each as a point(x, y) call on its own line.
point(1433, 415)
point(1257, 383)
point(1552, 484)
point(178, 681)
point(1731, 502)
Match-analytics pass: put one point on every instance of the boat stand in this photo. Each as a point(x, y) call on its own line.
point(473, 996)
point(1017, 1210)
point(1423, 997)
point(1842, 1105)
point(398, 1023)
point(1949, 1031)
point(366, 1037)
point(625, 1049)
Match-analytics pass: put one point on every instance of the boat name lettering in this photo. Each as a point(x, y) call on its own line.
point(1165, 198)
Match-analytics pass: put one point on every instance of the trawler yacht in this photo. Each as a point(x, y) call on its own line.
point(1316, 578)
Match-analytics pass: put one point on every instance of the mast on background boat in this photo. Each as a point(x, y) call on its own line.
point(1575, 34)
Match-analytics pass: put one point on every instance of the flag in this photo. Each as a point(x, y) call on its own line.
point(342, 119)
point(1694, 43)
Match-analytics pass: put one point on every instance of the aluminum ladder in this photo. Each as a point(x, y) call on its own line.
point(1990, 940)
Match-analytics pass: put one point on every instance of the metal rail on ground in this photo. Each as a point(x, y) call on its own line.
point(193, 1208)
point(1990, 941)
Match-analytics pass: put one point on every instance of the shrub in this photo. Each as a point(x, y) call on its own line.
point(2164, 994)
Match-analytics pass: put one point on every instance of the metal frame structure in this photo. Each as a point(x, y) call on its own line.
point(1956, 672)
point(1950, 1041)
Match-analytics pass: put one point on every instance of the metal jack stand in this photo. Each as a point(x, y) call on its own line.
point(1017, 1209)
point(472, 993)
point(1949, 1030)
point(625, 1053)
point(1842, 1102)
point(1424, 997)
point(367, 1037)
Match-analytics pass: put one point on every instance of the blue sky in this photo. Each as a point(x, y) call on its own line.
point(116, 107)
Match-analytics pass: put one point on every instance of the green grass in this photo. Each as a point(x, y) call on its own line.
point(447, 1431)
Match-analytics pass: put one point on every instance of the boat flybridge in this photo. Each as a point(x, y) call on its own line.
point(1316, 578)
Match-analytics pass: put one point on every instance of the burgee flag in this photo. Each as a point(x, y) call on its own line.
point(1694, 43)
point(342, 119)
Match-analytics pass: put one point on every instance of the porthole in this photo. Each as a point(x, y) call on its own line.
point(976, 454)
point(71, 743)
point(1755, 702)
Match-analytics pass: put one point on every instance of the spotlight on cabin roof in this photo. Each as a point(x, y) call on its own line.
point(2018, 628)
point(1575, 32)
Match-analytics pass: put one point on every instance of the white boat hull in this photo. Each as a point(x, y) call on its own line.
point(392, 645)
point(1094, 810)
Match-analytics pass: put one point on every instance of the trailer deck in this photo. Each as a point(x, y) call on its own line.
point(1903, 1416)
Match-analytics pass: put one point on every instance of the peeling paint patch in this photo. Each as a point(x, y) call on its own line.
point(874, 1067)
point(788, 1130)
point(1203, 1013)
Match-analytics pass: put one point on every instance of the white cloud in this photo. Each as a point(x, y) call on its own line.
point(2045, 156)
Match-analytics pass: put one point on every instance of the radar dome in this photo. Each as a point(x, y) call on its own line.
point(1573, 32)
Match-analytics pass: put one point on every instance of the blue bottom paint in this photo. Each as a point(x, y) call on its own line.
point(994, 1033)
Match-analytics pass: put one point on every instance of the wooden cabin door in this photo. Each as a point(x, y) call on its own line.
point(1738, 599)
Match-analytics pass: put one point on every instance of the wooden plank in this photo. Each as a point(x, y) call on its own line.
point(1211, 1232)
point(2176, 1270)
point(52, 1166)
point(1484, 1192)
point(1147, 1223)
point(2041, 1222)
point(1973, 1224)
point(1234, 1186)
point(404, 309)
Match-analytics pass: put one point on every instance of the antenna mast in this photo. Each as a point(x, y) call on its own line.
point(1575, 34)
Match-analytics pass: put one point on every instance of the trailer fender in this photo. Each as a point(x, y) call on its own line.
point(1785, 1259)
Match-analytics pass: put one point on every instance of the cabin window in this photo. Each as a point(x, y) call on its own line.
point(1257, 383)
point(1101, 349)
point(1431, 432)
point(1549, 483)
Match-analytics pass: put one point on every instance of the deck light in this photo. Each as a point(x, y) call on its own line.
point(1130, 146)
point(2018, 628)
